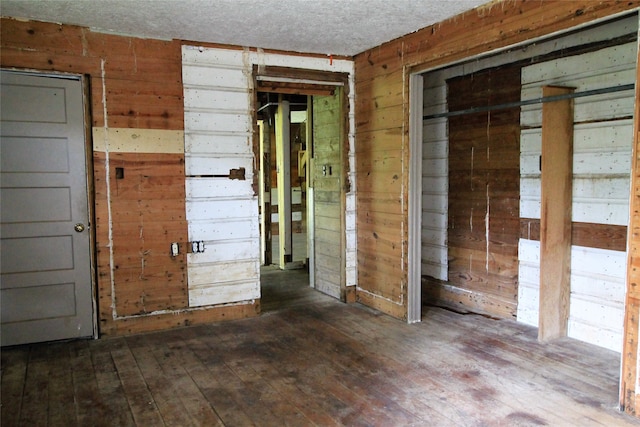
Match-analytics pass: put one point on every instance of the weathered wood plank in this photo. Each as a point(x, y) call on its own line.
point(590, 235)
point(111, 392)
point(62, 405)
point(166, 394)
point(326, 363)
point(555, 222)
point(68, 48)
point(35, 391)
point(178, 318)
point(483, 195)
point(85, 386)
point(14, 372)
point(144, 408)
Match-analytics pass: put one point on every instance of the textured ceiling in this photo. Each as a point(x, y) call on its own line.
point(338, 27)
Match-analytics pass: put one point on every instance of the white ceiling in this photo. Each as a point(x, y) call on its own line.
point(337, 27)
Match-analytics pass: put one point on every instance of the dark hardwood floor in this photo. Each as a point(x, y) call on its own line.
point(310, 360)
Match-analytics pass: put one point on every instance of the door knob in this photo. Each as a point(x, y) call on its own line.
point(79, 227)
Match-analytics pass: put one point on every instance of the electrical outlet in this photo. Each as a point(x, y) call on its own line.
point(175, 249)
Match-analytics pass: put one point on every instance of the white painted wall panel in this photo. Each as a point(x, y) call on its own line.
point(601, 167)
point(223, 293)
point(244, 228)
point(202, 98)
point(232, 271)
point(596, 310)
point(225, 250)
point(218, 164)
point(220, 209)
point(435, 99)
point(216, 121)
point(212, 57)
point(217, 187)
point(435, 180)
point(217, 142)
point(225, 79)
point(218, 131)
point(597, 303)
point(434, 236)
point(434, 220)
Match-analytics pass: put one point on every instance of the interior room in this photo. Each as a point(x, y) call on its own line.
point(223, 213)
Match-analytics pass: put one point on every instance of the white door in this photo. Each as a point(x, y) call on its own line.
point(46, 287)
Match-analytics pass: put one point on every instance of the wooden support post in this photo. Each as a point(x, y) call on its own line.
point(555, 220)
point(283, 154)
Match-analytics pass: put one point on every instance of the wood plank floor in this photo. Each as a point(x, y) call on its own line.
point(309, 360)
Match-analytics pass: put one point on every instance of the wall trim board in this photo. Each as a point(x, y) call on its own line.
point(131, 325)
point(380, 303)
point(414, 256)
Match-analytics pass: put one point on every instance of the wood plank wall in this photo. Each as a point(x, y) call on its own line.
point(139, 285)
point(382, 124)
point(382, 121)
point(483, 217)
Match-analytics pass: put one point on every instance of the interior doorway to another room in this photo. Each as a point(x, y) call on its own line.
point(302, 191)
point(283, 126)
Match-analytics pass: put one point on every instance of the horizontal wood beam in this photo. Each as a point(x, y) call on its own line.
point(590, 235)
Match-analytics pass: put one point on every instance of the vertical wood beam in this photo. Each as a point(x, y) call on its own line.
point(283, 163)
point(555, 220)
point(630, 352)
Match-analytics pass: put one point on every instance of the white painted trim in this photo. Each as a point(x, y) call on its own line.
point(414, 256)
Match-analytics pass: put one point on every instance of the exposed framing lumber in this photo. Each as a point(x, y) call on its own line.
point(283, 155)
point(555, 234)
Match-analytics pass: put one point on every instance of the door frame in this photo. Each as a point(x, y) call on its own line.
point(414, 255)
point(85, 82)
point(286, 80)
point(414, 82)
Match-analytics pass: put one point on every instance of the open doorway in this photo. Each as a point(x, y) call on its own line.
point(284, 135)
point(482, 189)
point(302, 191)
